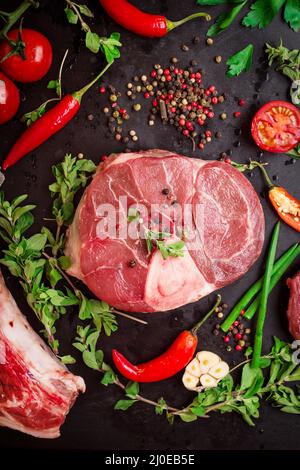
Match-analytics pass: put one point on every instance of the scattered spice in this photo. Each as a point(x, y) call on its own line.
point(209, 41)
point(218, 59)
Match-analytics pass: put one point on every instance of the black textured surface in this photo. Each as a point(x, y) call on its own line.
point(92, 423)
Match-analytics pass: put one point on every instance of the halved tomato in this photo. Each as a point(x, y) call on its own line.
point(276, 126)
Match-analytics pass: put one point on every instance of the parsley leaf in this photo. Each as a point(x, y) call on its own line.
point(225, 19)
point(292, 14)
point(240, 62)
point(262, 13)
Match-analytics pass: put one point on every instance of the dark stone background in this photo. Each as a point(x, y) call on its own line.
point(92, 423)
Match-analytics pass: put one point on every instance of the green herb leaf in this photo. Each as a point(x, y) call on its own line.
point(37, 242)
point(262, 13)
point(240, 62)
point(108, 378)
point(110, 47)
point(92, 41)
point(67, 359)
point(132, 389)
point(55, 85)
point(124, 404)
point(161, 406)
point(84, 10)
point(71, 16)
point(225, 20)
point(188, 416)
point(292, 14)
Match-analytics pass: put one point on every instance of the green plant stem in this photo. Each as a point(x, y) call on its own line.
point(254, 289)
point(203, 320)
point(15, 15)
point(255, 363)
point(73, 6)
point(251, 310)
point(138, 397)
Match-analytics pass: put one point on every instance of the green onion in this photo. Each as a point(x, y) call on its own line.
point(255, 363)
point(251, 310)
point(254, 289)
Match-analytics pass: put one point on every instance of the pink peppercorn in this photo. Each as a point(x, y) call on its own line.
point(238, 347)
point(173, 109)
point(243, 312)
point(184, 86)
point(236, 322)
point(207, 92)
point(242, 102)
point(212, 88)
point(122, 110)
point(226, 339)
point(166, 72)
point(237, 114)
point(102, 89)
point(181, 122)
point(104, 157)
point(228, 160)
point(168, 78)
point(214, 100)
point(153, 73)
point(146, 95)
point(176, 70)
point(200, 122)
point(198, 75)
point(210, 114)
point(238, 336)
point(154, 103)
point(208, 133)
point(185, 132)
point(201, 145)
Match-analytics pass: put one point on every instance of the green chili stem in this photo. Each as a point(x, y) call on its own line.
point(203, 320)
point(251, 310)
point(15, 15)
point(255, 363)
point(254, 289)
point(79, 94)
point(174, 24)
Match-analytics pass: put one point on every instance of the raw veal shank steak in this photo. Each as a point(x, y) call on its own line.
point(36, 390)
point(293, 312)
point(223, 238)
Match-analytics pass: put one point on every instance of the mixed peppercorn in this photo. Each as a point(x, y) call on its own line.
point(178, 97)
point(237, 337)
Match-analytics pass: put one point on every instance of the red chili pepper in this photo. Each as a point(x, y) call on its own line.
point(48, 124)
point(169, 363)
point(141, 23)
point(286, 206)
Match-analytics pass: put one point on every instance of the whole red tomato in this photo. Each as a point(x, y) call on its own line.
point(38, 56)
point(9, 99)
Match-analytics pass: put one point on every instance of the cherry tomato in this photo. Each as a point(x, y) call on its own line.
point(9, 99)
point(38, 56)
point(276, 126)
